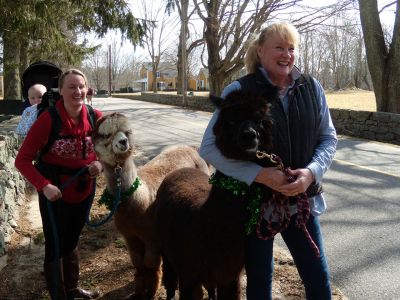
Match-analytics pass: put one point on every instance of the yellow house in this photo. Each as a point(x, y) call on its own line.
point(192, 84)
point(203, 83)
point(165, 77)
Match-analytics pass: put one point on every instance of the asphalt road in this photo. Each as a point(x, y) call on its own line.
point(362, 187)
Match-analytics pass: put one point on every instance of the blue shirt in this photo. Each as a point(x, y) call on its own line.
point(247, 171)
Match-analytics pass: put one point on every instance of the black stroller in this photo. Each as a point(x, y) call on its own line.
point(45, 73)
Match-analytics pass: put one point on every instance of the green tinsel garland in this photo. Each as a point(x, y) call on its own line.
point(239, 188)
point(108, 200)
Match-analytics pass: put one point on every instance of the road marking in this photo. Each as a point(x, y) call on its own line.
point(343, 162)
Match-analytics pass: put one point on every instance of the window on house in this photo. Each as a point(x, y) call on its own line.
point(158, 74)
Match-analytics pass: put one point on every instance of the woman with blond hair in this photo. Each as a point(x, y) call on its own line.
point(305, 139)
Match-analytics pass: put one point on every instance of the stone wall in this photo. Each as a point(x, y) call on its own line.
point(377, 126)
point(12, 189)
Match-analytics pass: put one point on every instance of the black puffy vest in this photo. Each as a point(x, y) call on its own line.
point(295, 136)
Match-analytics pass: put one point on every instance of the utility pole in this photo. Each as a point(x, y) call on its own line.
point(109, 70)
point(183, 49)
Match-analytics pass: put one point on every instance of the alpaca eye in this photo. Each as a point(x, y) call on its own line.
point(105, 136)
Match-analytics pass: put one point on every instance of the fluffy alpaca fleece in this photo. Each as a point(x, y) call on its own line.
point(113, 142)
point(200, 227)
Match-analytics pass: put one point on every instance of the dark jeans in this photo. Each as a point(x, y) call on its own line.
point(313, 271)
point(69, 220)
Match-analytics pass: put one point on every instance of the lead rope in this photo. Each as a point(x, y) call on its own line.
point(118, 181)
point(279, 218)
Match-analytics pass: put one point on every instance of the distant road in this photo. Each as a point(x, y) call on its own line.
point(362, 224)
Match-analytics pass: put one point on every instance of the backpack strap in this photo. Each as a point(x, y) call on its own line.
point(55, 129)
point(91, 115)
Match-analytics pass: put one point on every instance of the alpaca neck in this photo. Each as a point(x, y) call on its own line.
point(128, 175)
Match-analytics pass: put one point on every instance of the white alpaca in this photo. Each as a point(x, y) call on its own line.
point(113, 141)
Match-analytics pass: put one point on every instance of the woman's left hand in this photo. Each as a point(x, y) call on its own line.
point(304, 178)
point(95, 168)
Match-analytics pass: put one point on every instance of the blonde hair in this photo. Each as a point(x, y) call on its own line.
point(284, 31)
point(70, 71)
point(37, 87)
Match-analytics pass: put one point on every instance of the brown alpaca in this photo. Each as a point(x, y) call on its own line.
point(113, 142)
point(200, 227)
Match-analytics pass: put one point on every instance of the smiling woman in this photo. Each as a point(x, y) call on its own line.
point(304, 138)
point(63, 203)
point(73, 89)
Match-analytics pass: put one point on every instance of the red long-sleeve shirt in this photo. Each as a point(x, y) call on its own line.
point(69, 153)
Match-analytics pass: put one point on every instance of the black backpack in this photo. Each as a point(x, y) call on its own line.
point(56, 126)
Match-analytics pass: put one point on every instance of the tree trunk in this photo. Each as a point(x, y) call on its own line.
point(179, 66)
point(384, 64)
point(12, 82)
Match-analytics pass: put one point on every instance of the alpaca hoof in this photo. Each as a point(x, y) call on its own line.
point(133, 296)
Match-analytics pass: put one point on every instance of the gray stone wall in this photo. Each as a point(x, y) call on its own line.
point(377, 126)
point(12, 187)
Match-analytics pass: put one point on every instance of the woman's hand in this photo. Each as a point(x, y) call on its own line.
point(278, 181)
point(95, 168)
point(304, 177)
point(51, 192)
point(271, 177)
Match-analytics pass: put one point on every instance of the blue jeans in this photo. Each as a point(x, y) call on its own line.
point(313, 270)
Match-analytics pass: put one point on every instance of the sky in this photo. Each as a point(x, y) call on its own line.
point(387, 17)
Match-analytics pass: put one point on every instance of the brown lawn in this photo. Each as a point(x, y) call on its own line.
point(347, 99)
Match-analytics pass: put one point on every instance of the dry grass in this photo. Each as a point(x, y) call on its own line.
point(347, 99)
point(352, 99)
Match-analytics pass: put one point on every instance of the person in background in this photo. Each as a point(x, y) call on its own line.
point(69, 206)
point(29, 115)
point(89, 95)
point(304, 138)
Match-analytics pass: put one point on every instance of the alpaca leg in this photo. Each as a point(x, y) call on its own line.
point(229, 291)
point(189, 290)
point(136, 253)
point(152, 281)
point(211, 291)
point(170, 279)
point(147, 280)
point(152, 256)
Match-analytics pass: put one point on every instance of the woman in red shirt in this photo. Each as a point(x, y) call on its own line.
point(72, 151)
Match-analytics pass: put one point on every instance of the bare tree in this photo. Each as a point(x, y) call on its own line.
point(228, 28)
point(157, 40)
point(131, 72)
point(96, 69)
point(189, 40)
point(383, 60)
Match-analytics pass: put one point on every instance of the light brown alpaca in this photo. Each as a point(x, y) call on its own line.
point(113, 141)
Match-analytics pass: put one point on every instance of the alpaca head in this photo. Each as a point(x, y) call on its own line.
point(112, 138)
point(244, 125)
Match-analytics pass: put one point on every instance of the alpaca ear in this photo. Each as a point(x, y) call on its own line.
point(216, 100)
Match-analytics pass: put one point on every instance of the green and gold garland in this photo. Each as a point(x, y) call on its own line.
point(108, 200)
point(239, 188)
